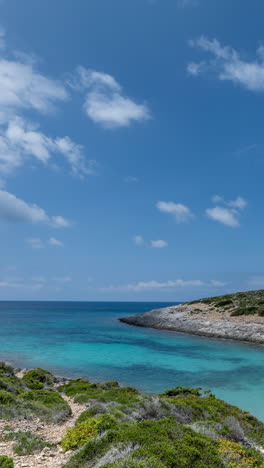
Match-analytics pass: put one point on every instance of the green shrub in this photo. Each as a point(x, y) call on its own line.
point(85, 430)
point(91, 412)
point(244, 311)
point(26, 443)
point(48, 405)
point(224, 303)
point(36, 379)
point(6, 370)
point(74, 387)
point(167, 443)
point(182, 391)
point(6, 398)
point(6, 462)
point(81, 433)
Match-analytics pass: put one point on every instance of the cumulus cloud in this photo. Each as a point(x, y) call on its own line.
point(55, 242)
point(229, 213)
point(138, 240)
point(105, 103)
point(20, 140)
point(181, 213)
point(223, 215)
point(229, 66)
point(158, 244)
point(13, 209)
point(23, 89)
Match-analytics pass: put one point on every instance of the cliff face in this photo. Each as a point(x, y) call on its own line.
point(236, 316)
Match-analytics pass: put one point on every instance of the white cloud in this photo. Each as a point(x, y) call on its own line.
point(217, 284)
point(14, 284)
point(138, 240)
point(105, 102)
point(74, 154)
point(13, 209)
point(181, 212)
point(55, 242)
point(229, 66)
point(22, 89)
point(156, 285)
point(159, 244)
point(223, 215)
point(36, 243)
point(239, 203)
point(20, 140)
point(228, 214)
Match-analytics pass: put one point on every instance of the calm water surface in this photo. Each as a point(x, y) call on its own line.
point(85, 339)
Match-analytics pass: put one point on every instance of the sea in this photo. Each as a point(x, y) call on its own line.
point(86, 339)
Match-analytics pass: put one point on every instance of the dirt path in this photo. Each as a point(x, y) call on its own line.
point(48, 457)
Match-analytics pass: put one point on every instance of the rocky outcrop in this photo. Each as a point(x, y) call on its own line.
point(199, 319)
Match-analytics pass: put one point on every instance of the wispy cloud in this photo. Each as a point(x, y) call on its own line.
point(36, 243)
point(55, 242)
point(62, 279)
point(142, 286)
point(180, 212)
point(229, 213)
point(228, 65)
point(13, 209)
point(105, 103)
point(138, 240)
point(158, 244)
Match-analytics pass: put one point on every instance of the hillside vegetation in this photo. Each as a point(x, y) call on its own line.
point(123, 428)
point(241, 303)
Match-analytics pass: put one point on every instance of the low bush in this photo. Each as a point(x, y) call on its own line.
point(165, 442)
point(182, 391)
point(26, 443)
point(36, 379)
point(6, 398)
point(83, 391)
point(85, 430)
point(6, 462)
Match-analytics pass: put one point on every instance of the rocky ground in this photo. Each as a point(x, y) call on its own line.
point(207, 318)
point(49, 457)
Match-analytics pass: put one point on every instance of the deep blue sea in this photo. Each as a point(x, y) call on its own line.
point(85, 339)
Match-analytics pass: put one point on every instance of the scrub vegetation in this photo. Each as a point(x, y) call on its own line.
point(241, 303)
point(123, 428)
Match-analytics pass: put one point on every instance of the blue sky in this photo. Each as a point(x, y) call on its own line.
point(131, 149)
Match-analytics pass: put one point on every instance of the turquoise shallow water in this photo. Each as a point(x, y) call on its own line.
point(86, 339)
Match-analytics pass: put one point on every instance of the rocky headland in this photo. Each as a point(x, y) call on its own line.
point(237, 316)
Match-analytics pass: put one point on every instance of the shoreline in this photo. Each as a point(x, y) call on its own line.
point(201, 321)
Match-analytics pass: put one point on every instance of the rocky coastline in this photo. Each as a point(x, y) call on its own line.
point(203, 320)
